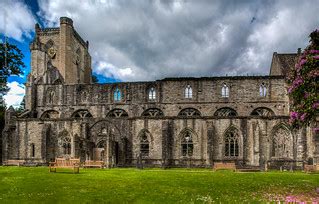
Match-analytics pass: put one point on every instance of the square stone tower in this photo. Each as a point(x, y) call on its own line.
point(62, 48)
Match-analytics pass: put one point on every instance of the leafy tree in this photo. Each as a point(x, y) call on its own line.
point(304, 85)
point(10, 64)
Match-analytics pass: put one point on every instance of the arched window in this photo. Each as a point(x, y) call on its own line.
point(82, 114)
point(152, 94)
point(153, 112)
point(144, 145)
point(187, 145)
point(231, 143)
point(225, 91)
point(50, 114)
point(225, 112)
point(66, 145)
point(282, 143)
point(117, 94)
point(262, 90)
point(188, 91)
point(263, 112)
point(117, 113)
point(189, 112)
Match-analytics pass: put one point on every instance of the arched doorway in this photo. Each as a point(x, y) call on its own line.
point(107, 143)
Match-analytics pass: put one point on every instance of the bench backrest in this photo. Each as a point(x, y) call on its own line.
point(89, 162)
point(224, 165)
point(66, 162)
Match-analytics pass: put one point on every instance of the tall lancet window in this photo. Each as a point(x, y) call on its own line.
point(262, 90)
point(117, 94)
point(225, 91)
point(152, 94)
point(188, 91)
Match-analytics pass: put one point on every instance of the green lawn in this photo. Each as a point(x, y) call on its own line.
point(36, 184)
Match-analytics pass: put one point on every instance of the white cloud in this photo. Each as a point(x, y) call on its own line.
point(16, 19)
point(147, 40)
point(15, 95)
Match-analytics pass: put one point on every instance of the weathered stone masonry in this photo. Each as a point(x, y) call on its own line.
point(170, 122)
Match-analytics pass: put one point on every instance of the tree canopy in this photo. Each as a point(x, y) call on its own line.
point(304, 85)
point(10, 64)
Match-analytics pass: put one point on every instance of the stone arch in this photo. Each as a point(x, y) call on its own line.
point(189, 112)
point(282, 144)
point(117, 113)
point(115, 149)
point(82, 113)
point(225, 112)
point(50, 114)
point(153, 113)
point(262, 112)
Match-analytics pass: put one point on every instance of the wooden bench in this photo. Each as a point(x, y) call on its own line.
point(13, 162)
point(223, 166)
point(90, 163)
point(65, 164)
point(311, 168)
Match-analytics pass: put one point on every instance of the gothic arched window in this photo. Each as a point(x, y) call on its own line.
point(262, 90)
point(188, 91)
point(282, 144)
point(50, 114)
point(189, 112)
point(152, 94)
point(187, 145)
point(82, 114)
point(144, 145)
point(66, 145)
point(225, 91)
point(231, 144)
point(117, 113)
point(265, 112)
point(117, 94)
point(225, 112)
point(153, 112)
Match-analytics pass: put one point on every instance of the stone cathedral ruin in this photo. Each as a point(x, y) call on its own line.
point(170, 122)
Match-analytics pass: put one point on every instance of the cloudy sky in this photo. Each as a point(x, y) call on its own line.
point(147, 40)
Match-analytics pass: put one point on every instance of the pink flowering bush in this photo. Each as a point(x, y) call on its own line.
point(304, 85)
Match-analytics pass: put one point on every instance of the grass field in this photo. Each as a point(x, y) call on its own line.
point(36, 184)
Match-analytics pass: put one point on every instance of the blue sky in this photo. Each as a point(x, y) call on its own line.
point(149, 40)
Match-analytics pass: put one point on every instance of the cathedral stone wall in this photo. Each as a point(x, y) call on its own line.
point(188, 121)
